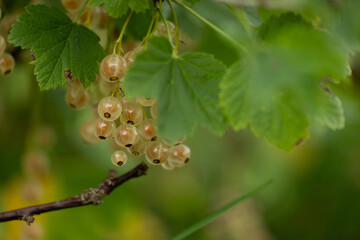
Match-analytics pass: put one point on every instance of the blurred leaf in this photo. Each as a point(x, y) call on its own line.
point(185, 86)
point(277, 89)
point(212, 216)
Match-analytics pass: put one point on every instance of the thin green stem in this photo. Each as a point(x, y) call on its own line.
point(211, 217)
point(147, 36)
point(117, 48)
point(81, 11)
point(215, 28)
point(166, 26)
point(177, 32)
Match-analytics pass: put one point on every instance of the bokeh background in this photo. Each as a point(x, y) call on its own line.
point(315, 195)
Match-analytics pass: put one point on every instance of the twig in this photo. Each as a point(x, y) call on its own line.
point(92, 196)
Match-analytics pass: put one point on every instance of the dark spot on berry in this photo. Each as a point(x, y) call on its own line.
point(156, 161)
point(102, 137)
point(7, 72)
point(176, 144)
point(130, 122)
point(72, 105)
point(154, 138)
point(187, 160)
point(114, 78)
point(128, 145)
point(120, 163)
point(107, 115)
point(135, 153)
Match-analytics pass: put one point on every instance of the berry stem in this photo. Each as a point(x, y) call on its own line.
point(215, 28)
point(149, 32)
point(81, 11)
point(166, 26)
point(117, 48)
point(177, 32)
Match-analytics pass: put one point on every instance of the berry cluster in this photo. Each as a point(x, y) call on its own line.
point(131, 123)
point(7, 61)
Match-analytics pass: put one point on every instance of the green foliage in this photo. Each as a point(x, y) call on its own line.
point(118, 8)
point(277, 89)
point(186, 87)
point(58, 44)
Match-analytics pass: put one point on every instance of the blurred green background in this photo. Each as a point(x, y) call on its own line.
point(316, 193)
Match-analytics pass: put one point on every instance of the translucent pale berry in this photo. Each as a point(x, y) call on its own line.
point(119, 158)
point(147, 130)
point(2, 44)
point(109, 108)
point(77, 97)
point(146, 101)
point(105, 87)
point(126, 135)
point(72, 5)
point(167, 165)
point(156, 153)
point(113, 67)
point(130, 55)
point(153, 110)
point(32, 190)
point(87, 132)
point(137, 149)
point(36, 164)
point(124, 101)
point(179, 155)
point(7, 64)
point(133, 113)
point(104, 129)
point(161, 28)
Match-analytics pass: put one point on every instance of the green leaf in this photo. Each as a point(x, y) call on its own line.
point(212, 216)
point(277, 91)
point(118, 8)
point(186, 87)
point(59, 45)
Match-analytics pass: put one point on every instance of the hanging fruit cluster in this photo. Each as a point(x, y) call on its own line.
point(131, 123)
point(7, 61)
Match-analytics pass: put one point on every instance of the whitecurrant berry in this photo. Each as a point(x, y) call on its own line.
point(179, 155)
point(157, 153)
point(146, 101)
point(105, 87)
point(119, 158)
point(7, 64)
point(113, 68)
point(2, 44)
point(72, 6)
point(167, 165)
point(109, 108)
point(104, 129)
point(77, 97)
point(87, 132)
point(161, 29)
point(126, 135)
point(133, 113)
point(131, 55)
point(147, 130)
point(137, 149)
